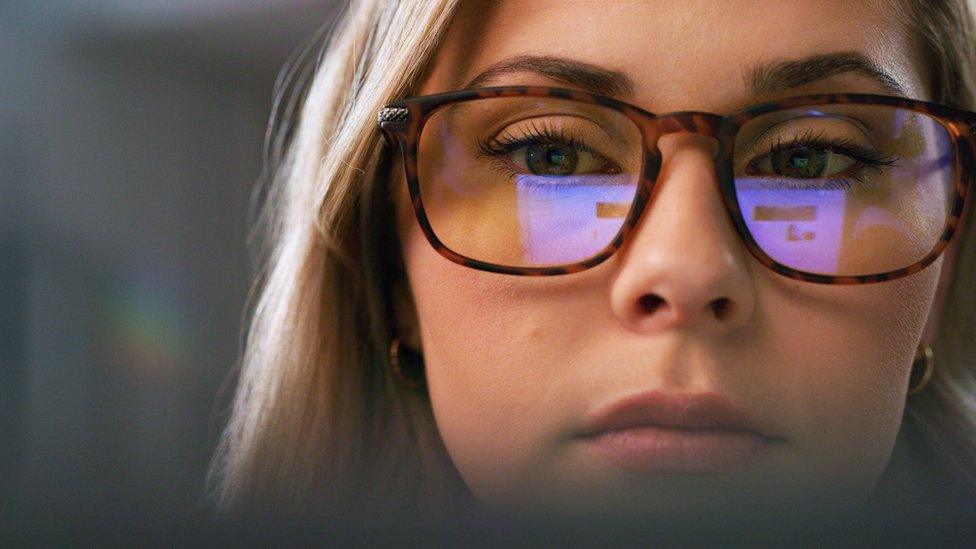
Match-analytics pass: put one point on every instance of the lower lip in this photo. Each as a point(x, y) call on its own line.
point(661, 449)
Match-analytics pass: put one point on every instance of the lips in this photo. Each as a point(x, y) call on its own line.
point(659, 432)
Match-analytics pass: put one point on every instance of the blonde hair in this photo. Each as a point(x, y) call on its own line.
point(316, 416)
point(945, 412)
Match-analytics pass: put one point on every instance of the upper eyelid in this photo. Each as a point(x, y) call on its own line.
point(762, 137)
point(522, 142)
point(532, 120)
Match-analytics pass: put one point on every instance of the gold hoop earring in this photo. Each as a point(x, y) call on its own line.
point(406, 365)
point(922, 369)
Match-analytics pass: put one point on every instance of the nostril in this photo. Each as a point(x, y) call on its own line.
point(650, 302)
point(722, 307)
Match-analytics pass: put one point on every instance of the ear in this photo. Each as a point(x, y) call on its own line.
point(406, 323)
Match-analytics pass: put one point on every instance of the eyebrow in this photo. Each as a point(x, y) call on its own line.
point(784, 75)
point(761, 79)
point(592, 78)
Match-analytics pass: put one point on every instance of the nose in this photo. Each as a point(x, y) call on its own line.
point(684, 266)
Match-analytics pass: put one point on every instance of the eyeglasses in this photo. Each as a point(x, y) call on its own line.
point(833, 189)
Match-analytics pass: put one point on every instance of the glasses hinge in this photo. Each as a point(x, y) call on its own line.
point(393, 114)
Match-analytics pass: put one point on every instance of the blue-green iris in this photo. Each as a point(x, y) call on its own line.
point(551, 159)
point(800, 162)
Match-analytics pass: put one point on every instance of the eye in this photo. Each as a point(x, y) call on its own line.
point(546, 152)
point(549, 159)
point(803, 162)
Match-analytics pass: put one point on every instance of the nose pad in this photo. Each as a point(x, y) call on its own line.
point(684, 264)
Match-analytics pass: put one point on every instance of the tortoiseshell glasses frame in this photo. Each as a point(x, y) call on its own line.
point(403, 121)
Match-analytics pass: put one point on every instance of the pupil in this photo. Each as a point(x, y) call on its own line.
point(800, 162)
point(551, 159)
point(556, 157)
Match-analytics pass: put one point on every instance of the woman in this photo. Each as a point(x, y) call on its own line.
point(704, 327)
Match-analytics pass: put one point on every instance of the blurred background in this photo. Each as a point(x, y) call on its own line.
point(131, 136)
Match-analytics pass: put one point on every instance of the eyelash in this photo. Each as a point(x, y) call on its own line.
point(505, 144)
point(867, 158)
point(498, 147)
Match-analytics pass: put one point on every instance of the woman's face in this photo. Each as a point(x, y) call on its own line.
point(682, 316)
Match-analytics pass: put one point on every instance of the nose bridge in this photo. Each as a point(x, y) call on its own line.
point(705, 125)
point(682, 266)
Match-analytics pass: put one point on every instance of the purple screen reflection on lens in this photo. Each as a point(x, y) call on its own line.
point(799, 228)
point(569, 219)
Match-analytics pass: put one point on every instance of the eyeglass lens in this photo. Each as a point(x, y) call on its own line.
point(840, 189)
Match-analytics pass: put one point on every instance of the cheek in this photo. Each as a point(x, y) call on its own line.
point(493, 356)
point(485, 371)
point(845, 355)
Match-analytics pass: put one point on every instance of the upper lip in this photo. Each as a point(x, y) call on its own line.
point(679, 410)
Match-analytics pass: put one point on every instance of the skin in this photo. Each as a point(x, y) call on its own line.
point(515, 364)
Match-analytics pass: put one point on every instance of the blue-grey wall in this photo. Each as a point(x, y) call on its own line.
point(130, 139)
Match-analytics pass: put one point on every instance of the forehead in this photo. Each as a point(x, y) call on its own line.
point(688, 55)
